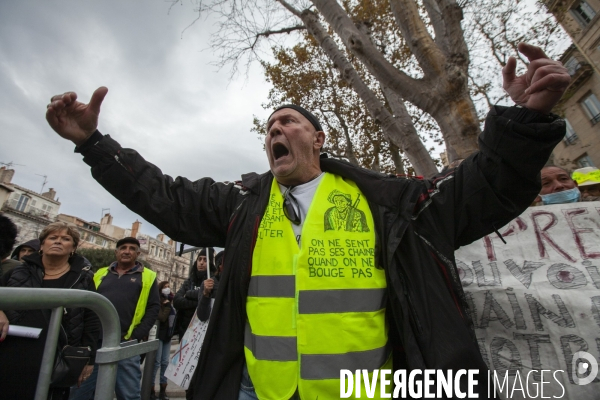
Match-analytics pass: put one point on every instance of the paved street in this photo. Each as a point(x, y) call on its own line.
point(174, 392)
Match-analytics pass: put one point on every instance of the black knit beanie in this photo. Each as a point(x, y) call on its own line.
point(307, 114)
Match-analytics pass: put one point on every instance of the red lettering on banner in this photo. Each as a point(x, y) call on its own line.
point(577, 232)
point(542, 235)
point(514, 226)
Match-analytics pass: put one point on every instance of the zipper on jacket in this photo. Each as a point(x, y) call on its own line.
point(234, 215)
point(411, 309)
point(449, 284)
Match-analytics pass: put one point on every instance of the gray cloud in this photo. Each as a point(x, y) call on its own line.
point(164, 100)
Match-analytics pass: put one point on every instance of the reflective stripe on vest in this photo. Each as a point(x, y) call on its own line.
point(316, 310)
point(148, 277)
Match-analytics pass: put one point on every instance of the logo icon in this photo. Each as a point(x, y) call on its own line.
point(581, 367)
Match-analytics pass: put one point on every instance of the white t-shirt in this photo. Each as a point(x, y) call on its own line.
point(303, 194)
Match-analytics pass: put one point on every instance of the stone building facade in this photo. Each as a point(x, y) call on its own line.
point(32, 212)
point(580, 106)
point(91, 236)
point(29, 210)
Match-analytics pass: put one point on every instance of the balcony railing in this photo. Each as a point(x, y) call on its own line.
point(570, 139)
point(595, 119)
point(573, 67)
point(30, 210)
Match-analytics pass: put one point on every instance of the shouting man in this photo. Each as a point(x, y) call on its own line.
point(298, 302)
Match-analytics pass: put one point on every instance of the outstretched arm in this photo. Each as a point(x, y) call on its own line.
point(195, 213)
point(497, 183)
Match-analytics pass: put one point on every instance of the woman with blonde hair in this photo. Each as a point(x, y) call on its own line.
point(56, 266)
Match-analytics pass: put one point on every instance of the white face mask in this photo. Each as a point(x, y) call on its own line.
point(166, 291)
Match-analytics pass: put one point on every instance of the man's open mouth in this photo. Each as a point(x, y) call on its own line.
point(279, 150)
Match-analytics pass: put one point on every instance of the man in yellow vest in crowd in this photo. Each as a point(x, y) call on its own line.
point(133, 290)
point(330, 267)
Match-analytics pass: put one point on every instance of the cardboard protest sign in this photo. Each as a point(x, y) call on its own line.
point(183, 363)
point(535, 301)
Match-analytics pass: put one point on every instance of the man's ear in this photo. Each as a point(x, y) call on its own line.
point(319, 139)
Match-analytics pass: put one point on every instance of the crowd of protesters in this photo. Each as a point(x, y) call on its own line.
point(51, 261)
point(274, 332)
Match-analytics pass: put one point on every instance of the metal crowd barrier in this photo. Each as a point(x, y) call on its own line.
point(111, 352)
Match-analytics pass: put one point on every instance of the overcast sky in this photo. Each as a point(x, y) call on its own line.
point(164, 98)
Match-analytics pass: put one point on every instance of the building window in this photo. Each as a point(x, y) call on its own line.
point(584, 161)
point(570, 136)
point(583, 13)
point(591, 105)
point(572, 65)
point(22, 203)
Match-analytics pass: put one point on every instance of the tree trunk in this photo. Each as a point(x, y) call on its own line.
point(402, 134)
point(412, 141)
point(443, 92)
point(397, 159)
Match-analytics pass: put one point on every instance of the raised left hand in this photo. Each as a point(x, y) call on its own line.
point(542, 86)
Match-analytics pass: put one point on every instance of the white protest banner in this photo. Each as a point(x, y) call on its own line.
point(183, 363)
point(535, 301)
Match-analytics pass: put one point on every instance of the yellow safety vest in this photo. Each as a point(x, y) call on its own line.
point(148, 277)
point(315, 310)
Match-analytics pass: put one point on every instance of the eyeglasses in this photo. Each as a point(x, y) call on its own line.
point(291, 208)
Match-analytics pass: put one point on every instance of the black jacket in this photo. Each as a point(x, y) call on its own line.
point(186, 299)
point(418, 226)
point(81, 325)
point(163, 318)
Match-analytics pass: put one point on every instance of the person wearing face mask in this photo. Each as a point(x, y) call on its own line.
point(186, 298)
point(557, 187)
point(166, 317)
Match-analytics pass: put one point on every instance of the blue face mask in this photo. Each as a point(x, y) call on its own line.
point(566, 196)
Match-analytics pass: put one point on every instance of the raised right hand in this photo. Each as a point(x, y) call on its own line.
point(72, 119)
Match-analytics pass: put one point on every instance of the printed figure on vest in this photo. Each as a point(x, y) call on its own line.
point(344, 215)
point(289, 317)
point(133, 290)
